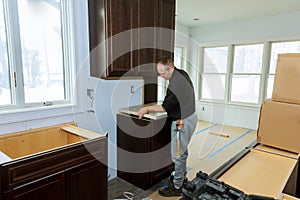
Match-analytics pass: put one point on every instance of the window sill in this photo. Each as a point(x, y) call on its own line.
point(34, 113)
point(231, 105)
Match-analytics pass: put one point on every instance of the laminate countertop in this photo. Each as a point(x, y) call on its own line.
point(151, 115)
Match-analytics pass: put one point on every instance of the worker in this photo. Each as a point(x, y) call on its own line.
point(179, 103)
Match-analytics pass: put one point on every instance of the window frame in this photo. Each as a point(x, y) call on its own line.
point(15, 56)
point(232, 73)
point(213, 73)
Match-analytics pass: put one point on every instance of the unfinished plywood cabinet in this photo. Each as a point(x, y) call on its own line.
point(58, 162)
point(262, 170)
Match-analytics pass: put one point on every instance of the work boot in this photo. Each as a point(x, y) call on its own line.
point(166, 182)
point(170, 191)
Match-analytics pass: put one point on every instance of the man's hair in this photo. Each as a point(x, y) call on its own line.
point(165, 61)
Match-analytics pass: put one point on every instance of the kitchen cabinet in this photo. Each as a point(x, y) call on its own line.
point(144, 149)
point(58, 162)
point(50, 188)
point(135, 26)
point(135, 33)
point(86, 181)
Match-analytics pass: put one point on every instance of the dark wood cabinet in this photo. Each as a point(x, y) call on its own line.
point(86, 181)
point(144, 150)
point(119, 17)
point(54, 163)
point(135, 27)
point(137, 33)
point(50, 188)
point(144, 40)
point(167, 23)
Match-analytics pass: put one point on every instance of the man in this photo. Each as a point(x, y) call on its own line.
point(179, 103)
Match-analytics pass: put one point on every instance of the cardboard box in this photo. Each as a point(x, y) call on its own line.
point(279, 125)
point(263, 173)
point(287, 81)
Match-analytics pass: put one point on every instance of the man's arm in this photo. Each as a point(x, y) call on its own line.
point(147, 109)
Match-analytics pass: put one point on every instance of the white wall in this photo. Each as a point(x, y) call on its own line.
point(270, 28)
point(239, 116)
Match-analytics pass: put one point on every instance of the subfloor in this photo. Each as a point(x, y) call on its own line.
point(207, 152)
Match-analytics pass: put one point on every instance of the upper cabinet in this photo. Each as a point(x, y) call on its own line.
point(128, 36)
point(119, 17)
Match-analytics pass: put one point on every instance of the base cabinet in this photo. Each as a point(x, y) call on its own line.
point(77, 179)
point(144, 150)
point(50, 188)
point(70, 164)
point(80, 182)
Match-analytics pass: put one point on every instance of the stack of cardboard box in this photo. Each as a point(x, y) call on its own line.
point(279, 124)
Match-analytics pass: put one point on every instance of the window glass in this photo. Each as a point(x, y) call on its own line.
point(178, 55)
point(5, 92)
point(245, 88)
point(42, 52)
point(248, 58)
point(270, 86)
point(215, 60)
point(213, 86)
point(178, 62)
point(282, 47)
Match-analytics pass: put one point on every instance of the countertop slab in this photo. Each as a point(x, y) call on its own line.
point(151, 115)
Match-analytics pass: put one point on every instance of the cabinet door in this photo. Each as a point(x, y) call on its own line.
point(87, 181)
point(97, 38)
point(51, 188)
point(144, 44)
point(150, 40)
point(119, 15)
point(166, 20)
point(133, 152)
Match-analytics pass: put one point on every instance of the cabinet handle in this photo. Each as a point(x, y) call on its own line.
point(132, 89)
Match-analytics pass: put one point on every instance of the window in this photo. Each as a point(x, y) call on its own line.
point(5, 92)
point(35, 54)
point(247, 67)
point(160, 89)
point(243, 81)
point(278, 48)
point(214, 73)
point(178, 57)
point(179, 63)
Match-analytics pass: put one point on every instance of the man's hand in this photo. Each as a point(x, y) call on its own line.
point(147, 109)
point(143, 111)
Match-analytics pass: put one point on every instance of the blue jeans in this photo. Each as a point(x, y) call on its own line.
point(185, 137)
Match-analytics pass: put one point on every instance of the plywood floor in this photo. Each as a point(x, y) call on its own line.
point(208, 151)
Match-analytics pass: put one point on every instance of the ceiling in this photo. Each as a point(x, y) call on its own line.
point(219, 11)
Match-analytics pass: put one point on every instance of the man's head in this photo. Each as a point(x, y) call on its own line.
point(165, 67)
